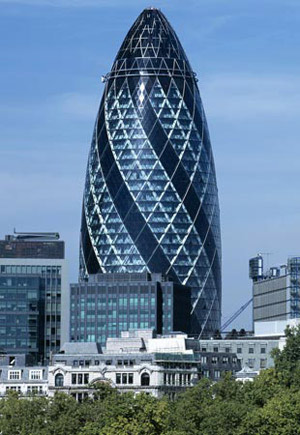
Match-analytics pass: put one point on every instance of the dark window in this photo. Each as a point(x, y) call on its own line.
point(73, 378)
point(96, 362)
point(108, 362)
point(251, 350)
point(227, 349)
point(75, 363)
point(59, 380)
point(262, 350)
point(130, 378)
point(79, 378)
point(203, 349)
point(124, 378)
point(216, 349)
point(239, 350)
point(86, 378)
point(145, 379)
point(118, 378)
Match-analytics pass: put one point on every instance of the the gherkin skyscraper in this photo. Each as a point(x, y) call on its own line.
point(151, 200)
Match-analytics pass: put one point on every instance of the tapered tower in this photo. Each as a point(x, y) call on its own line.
point(151, 200)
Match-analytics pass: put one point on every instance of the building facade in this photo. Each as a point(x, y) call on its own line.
point(138, 361)
point(276, 292)
point(254, 352)
point(129, 369)
point(18, 374)
point(34, 295)
point(110, 303)
point(150, 199)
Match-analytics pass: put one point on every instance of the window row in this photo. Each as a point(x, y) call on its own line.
point(124, 378)
point(31, 389)
point(238, 350)
point(216, 359)
point(177, 379)
point(80, 378)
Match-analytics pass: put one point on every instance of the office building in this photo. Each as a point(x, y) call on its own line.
point(150, 200)
point(276, 292)
point(34, 294)
point(110, 303)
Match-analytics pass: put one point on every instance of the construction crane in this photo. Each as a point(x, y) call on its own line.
point(235, 315)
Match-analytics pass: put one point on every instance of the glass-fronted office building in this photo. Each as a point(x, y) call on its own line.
point(108, 304)
point(151, 200)
point(21, 314)
point(34, 296)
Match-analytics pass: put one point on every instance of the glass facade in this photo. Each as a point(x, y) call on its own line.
point(30, 309)
point(151, 200)
point(20, 313)
point(105, 307)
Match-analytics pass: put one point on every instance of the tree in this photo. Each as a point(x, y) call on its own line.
point(262, 389)
point(242, 333)
point(232, 335)
point(217, 335)
point(103, 390)
point(287, 360)
point(126, 414)
point(280, 416)
point(63, 415)
point(23, 416)
point(191, 408)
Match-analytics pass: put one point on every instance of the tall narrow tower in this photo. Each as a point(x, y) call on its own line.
point(151, 200)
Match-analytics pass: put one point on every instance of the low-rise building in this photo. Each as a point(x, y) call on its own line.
point(16, 374)
point(137, 362)
point(253, 352)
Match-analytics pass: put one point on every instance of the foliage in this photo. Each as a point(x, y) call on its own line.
point(268, 405)
point(287, 361)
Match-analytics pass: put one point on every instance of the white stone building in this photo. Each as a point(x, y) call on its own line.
point(135, 362)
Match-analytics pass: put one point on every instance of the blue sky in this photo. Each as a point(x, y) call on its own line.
point(246, 55)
